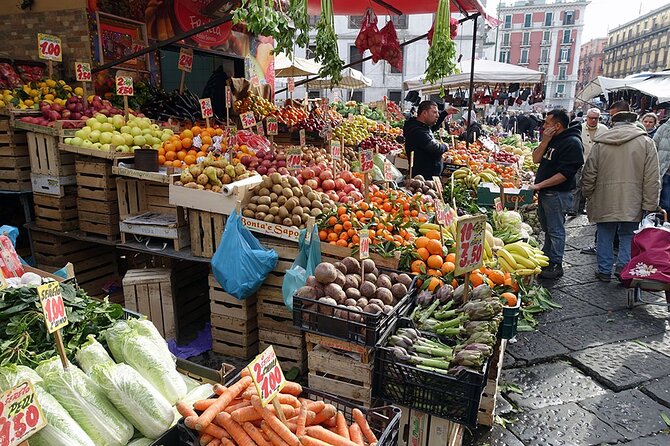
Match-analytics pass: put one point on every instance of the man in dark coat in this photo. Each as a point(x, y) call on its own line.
point(419, 139)
point(215, 89)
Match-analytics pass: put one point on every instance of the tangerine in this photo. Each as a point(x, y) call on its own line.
point(181, 155)
point(186, 134)
point(186, 143)
point(170, 155)
point(177, 145)
point(423, 253)
point(433, 234)
point(418, 266)
point(447, 267)
point(206, 139)
point(435, 261)
point(497, 276)
point(161, 151)
point(451, 257)
point(195, 130)
point(190, 159)
point(476, 279)
point(421, 242)
point(434, 283)
point(161, 159)
point(434, 247)
point(510, 299)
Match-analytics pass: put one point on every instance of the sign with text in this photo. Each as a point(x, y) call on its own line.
point(20, 415)
point(497, 204)
point(185, 62)
point(294, 158)
point(364, 244)
point(324, 105)
point(336, 150)
point(3, 282)
point(82, 72)
point(388, 173)
point(367, 161)
point(248, 119)
point(441, 213)
point(267, 375)
point(124, 86)
point(53, 307)
point(273, 125)
point(303, 139)
point(229, 97)
point(259, 128)
point(469, 243)
point(438, 187)
point(206, 108)
point(49, 47)
point(291, 85)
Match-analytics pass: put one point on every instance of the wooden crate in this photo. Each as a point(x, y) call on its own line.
point(149, 292)
point(487, 406)
point(234, 323)
point(46, 159)
point(421, 429)
point(51, 185)
point(206, 229)
point(14, 158)
point(56, 213)
point(51, 249)
point(340, 368)
point(97, 198)
point(97, 271)
point(289, 347)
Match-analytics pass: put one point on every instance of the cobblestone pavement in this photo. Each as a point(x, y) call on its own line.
point(595, 372)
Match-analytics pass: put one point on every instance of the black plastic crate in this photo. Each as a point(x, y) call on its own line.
point(510, 320)
point(455, 398)
point(374, 327)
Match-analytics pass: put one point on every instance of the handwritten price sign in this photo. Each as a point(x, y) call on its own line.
point(364, 244)
point(294, 158)
point(291, 85)
point(185, 62)
point(82, 72)
point(206, 108)
point(248, 119)
point(49, 47)
point(232, 137)
point(441, 213)
point(273, 125)
point(367, 163)
point(388, 173)
point(336, 149)
point(229, 97)
point(469, 243)
point(267, 375)
point(20, 415)
point(303, 139)
point(124, 86)
point(259, 129)
point(497, 204)
point(52, 306)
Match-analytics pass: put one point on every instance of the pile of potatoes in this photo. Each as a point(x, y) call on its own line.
point(284, 201)
point(339, 285)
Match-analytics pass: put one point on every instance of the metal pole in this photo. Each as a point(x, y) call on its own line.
point(472, 78)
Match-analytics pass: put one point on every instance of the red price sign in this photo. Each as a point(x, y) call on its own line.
point(388, 173)
point(364, 244)
point(232, 136)
point(367, 162)
point(248, 119)
point(336, 149)
point(438, 187)
point(294, 158)
point(206, 108)
point(291, 85)
point(469, 243)
point(20, 415)
point(53, 307)
point(497, 202)
point(303, 139)
point(441, 213)
point(259, 129)
point(273, 125)
point(82, 72)
point(124, 86)
point(267, 375)
point(324, 105)
point(49, 47)
point(185, 62)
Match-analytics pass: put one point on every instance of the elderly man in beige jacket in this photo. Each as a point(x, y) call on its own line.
point(620, 182)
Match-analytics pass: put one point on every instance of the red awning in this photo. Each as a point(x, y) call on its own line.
point(404, 7)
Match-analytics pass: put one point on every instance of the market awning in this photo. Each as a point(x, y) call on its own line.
point(487, 72)
point(351, 79)
point(298, 66)
point(652, 84)
point(403, 7)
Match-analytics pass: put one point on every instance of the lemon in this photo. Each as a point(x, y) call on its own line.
point(8, 98)
point(33, 93)
point(67, 88)
point(79, 91)
point(49, 97)
point(29, 102)
point(61, 82)
point(51, 82)
point(48, 101)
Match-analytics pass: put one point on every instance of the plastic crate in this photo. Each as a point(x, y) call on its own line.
point(510, 320)
point(455, 398)
point(374, 327)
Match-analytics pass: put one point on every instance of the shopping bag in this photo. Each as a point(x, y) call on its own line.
point(303, 267)
point(368, 37)
point(240, 263)
point(650, 256)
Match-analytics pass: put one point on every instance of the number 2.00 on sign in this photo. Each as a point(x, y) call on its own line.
point(267, 375)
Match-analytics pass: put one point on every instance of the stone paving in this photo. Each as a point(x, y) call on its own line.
point(594, 373)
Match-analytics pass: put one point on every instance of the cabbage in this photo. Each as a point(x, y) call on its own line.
point(88, 406)
point(12, 374)
point(145, 327)
point(135, 398)
point(115, 336)
point(92, 353)
point(141, 442)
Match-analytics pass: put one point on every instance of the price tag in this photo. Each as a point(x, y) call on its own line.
point(229, 97)
point(272, 125)
point(185, 62)
point(20, 415)
point(336, 96)
point(259, 129)
point(361, 110)
point(3, 282)
point(82, 72)
point(336, 149)
point(124, 86)
point(497, 202)
point(255, 81)
point(324, 105)
point(441, 213)
point(350, 116)
point(232, 136)
point(248, 119)
point(303, 141)
point(388, 173)
point(327, 132)
point(450, 215)
point(438, 186)
point(49, 47)
point(53, 307)
point(267, 375)
point(367, 162)
point(206, 108)
point(294, 158)
point(469, 243)
point(291, 85)
point(364, 244)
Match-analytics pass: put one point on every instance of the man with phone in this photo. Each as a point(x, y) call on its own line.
point(560, 155)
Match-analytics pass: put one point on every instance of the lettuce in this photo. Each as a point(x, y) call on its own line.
point(135, 398)
point(92, 353)
point(82, 398)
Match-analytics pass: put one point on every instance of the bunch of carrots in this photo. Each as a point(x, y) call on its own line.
point(236, 417)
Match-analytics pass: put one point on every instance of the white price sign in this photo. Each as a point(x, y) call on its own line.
point(273, 125)
point(336, 149)
point(291, 85)
point(206, 108)
point(20, 415)
point(469, 243)
point(229, 97)
point(441, 213)
point(294, 158)
point(49, 47)
point(267, 375)
point(185, 60)
point(248, 119)
point(364, 244)
point(303, 141)
point(497, 202)
point(388, 173)
point(53, 307)
point(82, 72)
point(124, 86)
point(367, 161)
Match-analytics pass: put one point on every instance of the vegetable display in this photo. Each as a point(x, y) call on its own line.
point(326, 52)
point(442, 51)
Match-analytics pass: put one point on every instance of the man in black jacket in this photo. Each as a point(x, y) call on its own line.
point(560, 155)
point(418, 133)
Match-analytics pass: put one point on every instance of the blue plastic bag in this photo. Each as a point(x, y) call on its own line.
point(240, 263)
point(303, 267)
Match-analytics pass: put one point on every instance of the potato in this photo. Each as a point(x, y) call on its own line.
point(369, 277)
point(375, 271)
point(362, 302)
point(387, 309)
point(254, 199)
point(340, 267)
point(311, 281)
point(341, 279)
point(288, 193)
point(384, 281)
point(264, 192)
point(342, 312)
point(336, 292)
point(307, 292)
point(327, 308)
point(277, 189)
point(352, 293)
point(372, 309)
point(353, 313)
point(325, 273)
point(298, 210)
point(350, 302)
point(376, 301)
point(405, 279)
point(352, 281)
point(369, 265)
point(399, 291)
point(296, 220)
point(266, 200)
point(304, 201)
point(385, 295)
point(368, 289)
point(352, 264)
point(316, 204)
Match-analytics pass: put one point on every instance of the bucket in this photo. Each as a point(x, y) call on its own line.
point(146, 160)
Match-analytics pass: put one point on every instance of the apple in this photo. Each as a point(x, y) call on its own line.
point(106, 127)
point(133, 148)
point(128, 138)
point(118, 121)
point(105, 138)
point(118, 140)
point(139, 140)
point(87, 144)
point(101, 118)
point(125, 129)
point(76, 141)
point(96, 126)
point(94, 136)
point(135, 131)
point(90, 122)
point(68, 141)
point(97, 145)
point(83, 133)
point(165, 136)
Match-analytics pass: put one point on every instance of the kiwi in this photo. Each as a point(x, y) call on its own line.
point(297, 210)
point(251, 207)
point(296, 220)
point(315, 212)
point(269, 218)
point(274, 210)
point(281, 201)
point(273, 196)
point(283, 212)
point(316, 204)
point(293, 182)
point(288, 193)
point(260, 216)
point(275, 177)
point(266, 200)
point(277, 219)
point(305, 216)
point(312, 196)
point(264, 192)
point(277, 189)
point(266, 183)
point(304, 201)
point(254, 199)
point(248, 213)
point(296, 191)
point(289, 205)
point(264, 208)
point(287, 222)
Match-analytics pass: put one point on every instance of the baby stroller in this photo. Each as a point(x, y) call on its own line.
point(649, 266)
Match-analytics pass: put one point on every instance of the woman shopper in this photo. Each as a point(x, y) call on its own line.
point(650, 123)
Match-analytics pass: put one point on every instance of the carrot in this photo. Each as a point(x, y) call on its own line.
point(327, 413)
point(275, 439)
point(302, 419)
point(255, 434)
point(233, 407)
point(205, 439)
point(213, 430)
point(330, 422)
point(250, 414)
point(342, 428)
point(356, 435)
point(224, 399)
point(203, 404)
point(218, 389)
point(362, 422)
point(275, 424)
point(235, 430)
point(226, 442)
point(315, 406)
point(288, 399)
point(309, 441)
point(215, 442)
point(245, 372)
point(323, 434)
point(292, 388)
point(185, 410)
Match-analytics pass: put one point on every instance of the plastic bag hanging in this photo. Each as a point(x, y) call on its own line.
point(240, 263)
point(368, 36)
point(303, 266)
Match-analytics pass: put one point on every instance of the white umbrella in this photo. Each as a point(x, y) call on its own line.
point(652, 84)
point(298, 66)
point(351, 79)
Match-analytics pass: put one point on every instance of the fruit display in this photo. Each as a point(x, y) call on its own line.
point(257, 104)
point(358, 109)
point(9, 78)
point(419, 185)
point(472, 180)
point(212, 173)
point(73, 109)
point(290, 115)
point(282, 200)
point(189, 146)
point(316, 121)
point(341, 188)
point(382, 143)
point(505, 157)
point(510, 227)
point(30, 95)
point(340, 292)
point(521, 258)
point(354, 131)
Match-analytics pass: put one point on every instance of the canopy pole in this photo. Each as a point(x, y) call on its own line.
point(472, 79)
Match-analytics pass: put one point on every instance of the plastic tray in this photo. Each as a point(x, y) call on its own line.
point(510, 321)
point(455, 398)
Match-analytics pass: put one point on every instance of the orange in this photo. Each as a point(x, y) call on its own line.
point(169, 147)
point(186, 143)
point(434, 283)
point(421, 242)
point(447, 267)
point(497, 276)
point(195, 130)
point(177, 145)
point(192, 152)
point(161, 151)
point(181, 155)
point(418, 266)
point(170, 155)
point(423, 253)
point(451, 257)
point(433, 234)
point(189, 159)
point(435, 262)
point(199, 154)
point(206, 139)
point(510, 299)
point(434, 247)
point(323, 235)
point(435, 273)
point(476, 279)
point(186, 134)
point(161, 159)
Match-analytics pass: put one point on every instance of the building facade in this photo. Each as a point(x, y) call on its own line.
point(639, 45)
point(544, 36)
point(590, 61)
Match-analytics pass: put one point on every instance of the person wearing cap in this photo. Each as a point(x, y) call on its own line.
point(590, 127)
point(620, 182)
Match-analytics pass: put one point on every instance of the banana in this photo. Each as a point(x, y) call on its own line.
point(541, 262)
point(488, 252)
point(528, 271)
point(429, 226)
point(505, 266)
point(520, 249)
point(508, 258)
point(523, 261)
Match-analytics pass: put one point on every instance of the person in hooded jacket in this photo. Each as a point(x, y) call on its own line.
point(560, 155)
point(620, 181)
point(419, 139)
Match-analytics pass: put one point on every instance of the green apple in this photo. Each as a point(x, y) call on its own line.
point(133, 148)
point(96, 125)
point(139, 140)
point(87, 144)
point(94, 136)
point(82, 133)
point(118, 121)
point(97, 145)
point(125, 129)
point(121, 147)
point(101, 118)
point(105, 138)
point(165, 137)
point(76, 141)
point(118, 140)
point(146, 132)
point(106, 127)
point(68, 141)
point(168, 131)
point(91, 121)
point(136, 131)
point(156, 146)
point(128, 139)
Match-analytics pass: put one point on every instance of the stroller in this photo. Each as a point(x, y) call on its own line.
point(649, 266)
